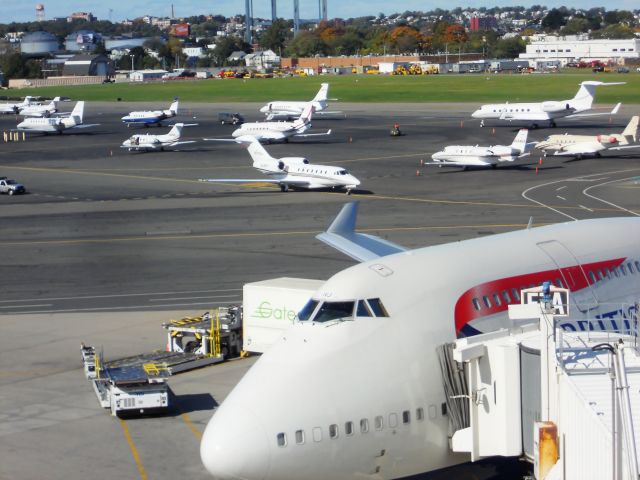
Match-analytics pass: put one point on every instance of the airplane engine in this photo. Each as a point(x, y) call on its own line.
point(295, 161)
point(607, 140)
point(551, 107)
point(281, 165)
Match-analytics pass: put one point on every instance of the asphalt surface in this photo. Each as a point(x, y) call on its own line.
point(106, 242)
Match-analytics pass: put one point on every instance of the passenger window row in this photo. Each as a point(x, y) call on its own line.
point(350, 427)
point(513, 296)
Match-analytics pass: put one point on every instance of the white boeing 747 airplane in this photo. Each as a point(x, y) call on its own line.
point(582, 145)
point(286, 109)
point(295, 172)
point(547, 111)
point(475, 156)
point(148, 141)
point(151, 117)
point(57, 124)
point(41, 111)
point(353, 389)
point(16, 107)
point(280, 131)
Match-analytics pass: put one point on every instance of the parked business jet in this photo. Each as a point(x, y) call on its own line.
point(581, 145)
point(153, 117)
point(148, 141)
point(56, 124)
point(353, 390)
point(286, 109)
point(41, 111)
point(547, 111)
point(280, 131)
point(14, 108)
point(294, 172)
point(468, 155)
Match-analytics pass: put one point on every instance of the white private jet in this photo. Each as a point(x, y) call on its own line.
point(582, 145)
point(280, 131)
point(286, 109)
point(41, 111)
point(294, 172)
point(353, 389)
point(56, 124)
point(149, 142)
point(14, 108)
point(547, 111)
point(476, 156)
point(151, 117)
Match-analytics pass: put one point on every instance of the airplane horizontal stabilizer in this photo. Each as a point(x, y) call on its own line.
point(613, 111)
point(359, 246)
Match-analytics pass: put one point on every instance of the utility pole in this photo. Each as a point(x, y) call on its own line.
point(296, 16)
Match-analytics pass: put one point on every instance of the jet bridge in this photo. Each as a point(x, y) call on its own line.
point(569, 401)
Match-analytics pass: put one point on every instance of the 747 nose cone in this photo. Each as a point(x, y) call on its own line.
point(235, 446)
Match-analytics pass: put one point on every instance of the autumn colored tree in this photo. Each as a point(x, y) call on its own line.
point(455, 34)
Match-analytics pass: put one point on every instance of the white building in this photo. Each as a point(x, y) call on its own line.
point(194, 52)
point(570, 49)
point(262, 60)
point(144, 75)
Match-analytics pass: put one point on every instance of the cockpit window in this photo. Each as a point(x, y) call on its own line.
point(307, 310)
point(334, 310)
point(343, 172)
point(363, 309)
point(377, 307)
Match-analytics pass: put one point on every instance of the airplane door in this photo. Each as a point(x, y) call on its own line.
point(573, 275)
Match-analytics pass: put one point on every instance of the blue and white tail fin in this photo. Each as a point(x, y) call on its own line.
point(174, 107)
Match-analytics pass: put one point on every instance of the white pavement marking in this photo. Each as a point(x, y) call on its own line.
point(191, 298)
point(584, 192)
point(105, 309)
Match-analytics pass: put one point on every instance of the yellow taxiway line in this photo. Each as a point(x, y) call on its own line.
point(134, 450)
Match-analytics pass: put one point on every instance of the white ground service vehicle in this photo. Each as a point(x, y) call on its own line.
point(270, 307)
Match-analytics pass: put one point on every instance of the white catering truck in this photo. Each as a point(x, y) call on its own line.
point(270, 307)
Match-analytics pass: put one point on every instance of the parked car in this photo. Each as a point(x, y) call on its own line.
point(623, 70)
point(232, 118)
point(598, 68)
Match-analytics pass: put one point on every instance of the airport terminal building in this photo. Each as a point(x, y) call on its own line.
point(574, 48)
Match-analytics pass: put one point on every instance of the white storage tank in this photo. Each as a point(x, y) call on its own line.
point(39, 43)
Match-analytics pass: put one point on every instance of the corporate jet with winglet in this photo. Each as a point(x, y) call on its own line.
point(56, 124)
point(288, 109)
point(149, 142)
point(355, 380)
point(14, 108)
point(291, 172)
point(41, 111)
point(280, 131)
point(579, 146)
point(477, 156)
point(151, 117)
point(547, 111)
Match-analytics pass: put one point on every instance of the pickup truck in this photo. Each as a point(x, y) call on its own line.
point(11, 186)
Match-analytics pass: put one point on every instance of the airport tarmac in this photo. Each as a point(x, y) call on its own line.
point(108, 244)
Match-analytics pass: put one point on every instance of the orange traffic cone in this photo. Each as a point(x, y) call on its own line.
point(418, 173)
point(536, 170)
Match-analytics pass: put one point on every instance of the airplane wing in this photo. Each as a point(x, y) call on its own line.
point(180, 143)
point(86, 125)
point(291, 183)
point(624, 147)
point(341, 235)
point(301, 135)
point(583, 148)
point(462, 163)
